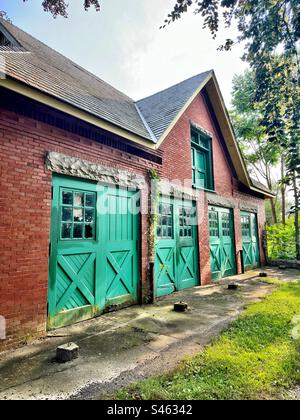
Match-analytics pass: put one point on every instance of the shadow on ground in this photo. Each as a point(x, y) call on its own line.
point(135, 343)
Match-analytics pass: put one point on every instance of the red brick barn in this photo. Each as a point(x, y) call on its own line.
point(77, 160)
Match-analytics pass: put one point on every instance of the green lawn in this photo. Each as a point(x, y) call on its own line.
point(256, 358)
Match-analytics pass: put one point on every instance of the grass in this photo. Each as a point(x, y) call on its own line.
point(256, 358)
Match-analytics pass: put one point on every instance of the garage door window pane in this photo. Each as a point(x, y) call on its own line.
point(78, 211)
point(78, 231)
point(67, 198)
point(78, 199)
point(66, 231)
point(89, 200)
point(78, 215)
point(67, 214)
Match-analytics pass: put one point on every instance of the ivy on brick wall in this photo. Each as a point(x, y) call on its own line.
point(153, 216)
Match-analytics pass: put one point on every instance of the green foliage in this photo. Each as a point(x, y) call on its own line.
point(281, 241)
point(270, 211)
point(246, 117)
point(153, 218)
point(60, 7)
point(270, 32)
point(259, 153)
point(256, 358)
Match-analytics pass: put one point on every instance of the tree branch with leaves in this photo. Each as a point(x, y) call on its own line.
point(270, 31)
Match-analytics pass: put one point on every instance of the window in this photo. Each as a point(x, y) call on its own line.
point(202, 160)
point(185, 222)
point(165, 221)
point(78, 211)
point(246, 228)
point(226, 228)
point(214, 224)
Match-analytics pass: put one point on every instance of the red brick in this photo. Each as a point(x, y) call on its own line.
point(25, 206)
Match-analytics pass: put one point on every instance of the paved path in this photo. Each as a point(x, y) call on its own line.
point(119, 348)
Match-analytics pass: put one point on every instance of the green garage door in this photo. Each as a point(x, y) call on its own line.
point(93, 251)
point(222, 243)
point(250, 240)
point(176, 260)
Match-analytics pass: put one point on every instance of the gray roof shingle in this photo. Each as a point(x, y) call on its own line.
point(43, 68)
point(160, 109)
point(35, 64)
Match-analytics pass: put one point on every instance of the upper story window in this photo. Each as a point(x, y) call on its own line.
point(202, 160)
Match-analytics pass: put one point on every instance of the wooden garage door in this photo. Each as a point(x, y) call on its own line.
point(176, 260)
point(93, 250)
point(250, 240)
point(222, 243)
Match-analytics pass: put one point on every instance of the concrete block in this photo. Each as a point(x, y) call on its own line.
point(67, 353)
point(233, 286)
point(180, 307)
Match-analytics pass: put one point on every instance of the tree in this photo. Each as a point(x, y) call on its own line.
point(60, 7)
point(270, 30)
point(260, 155)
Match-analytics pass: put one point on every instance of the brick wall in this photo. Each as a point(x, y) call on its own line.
point(25, 204)
point(177, 166)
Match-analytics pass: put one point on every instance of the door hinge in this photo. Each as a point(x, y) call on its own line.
point(51, 193)
point(49, 249)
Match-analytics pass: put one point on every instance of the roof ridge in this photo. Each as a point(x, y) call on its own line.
point(173, 86)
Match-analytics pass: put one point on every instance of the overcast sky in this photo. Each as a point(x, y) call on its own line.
point(124, 46)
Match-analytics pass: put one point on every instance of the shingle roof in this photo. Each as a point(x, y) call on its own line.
point(41, 67)
point(38, 66)
point(160, 109)
point(259, 185)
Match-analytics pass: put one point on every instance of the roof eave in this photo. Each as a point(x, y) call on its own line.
point(265, 193)
point(16, 86)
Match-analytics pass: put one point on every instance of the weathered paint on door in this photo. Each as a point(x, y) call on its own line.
point(222, 243)
point(176, 261)
point(93, 250)
point(250, 240)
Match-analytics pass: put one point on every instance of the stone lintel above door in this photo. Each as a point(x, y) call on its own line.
point(80, 168)
point(217, 200)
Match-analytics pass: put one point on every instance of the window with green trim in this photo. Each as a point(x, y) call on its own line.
point(78, 215)
point(165, 221)
point(185, 222)
point(202, 160)
point(214, 224)
point(226, 227)
point(246, 226)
